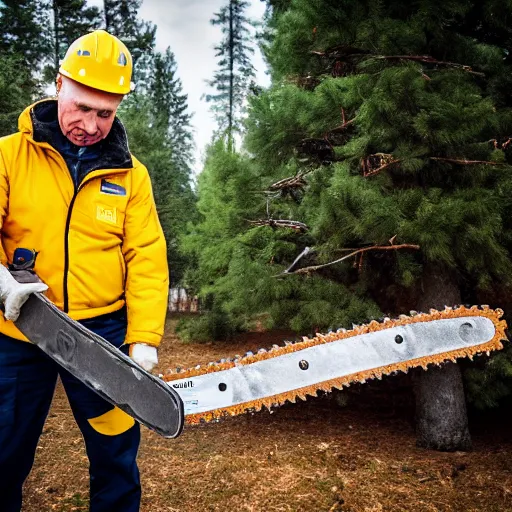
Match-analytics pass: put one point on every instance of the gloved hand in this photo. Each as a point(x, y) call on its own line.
point(144, 355)
point(14, 294)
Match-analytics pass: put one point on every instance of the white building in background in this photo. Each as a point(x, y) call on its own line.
point(180, 301)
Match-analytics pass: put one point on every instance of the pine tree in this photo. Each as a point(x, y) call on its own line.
point(397, 118)
point(160, 89)
point(24, 32)
point(233, 78)
point(171, 110)
point(151, 141)
point(121, 20)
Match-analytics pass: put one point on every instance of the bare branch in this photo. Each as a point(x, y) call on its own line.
point(342, 54)
point(344, 123)
point(427, 59)
point(373, 164)
point(280, 223)
point(466, 162)
point(314, 268)
point(369, 169)
point(296, 181)
point(341, 127)
point(305, 252)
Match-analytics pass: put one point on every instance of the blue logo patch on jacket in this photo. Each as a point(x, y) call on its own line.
point(112, 188)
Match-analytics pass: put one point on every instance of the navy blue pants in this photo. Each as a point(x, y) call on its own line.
point(27, 383)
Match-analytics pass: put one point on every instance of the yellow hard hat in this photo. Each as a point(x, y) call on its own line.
point(99, 60)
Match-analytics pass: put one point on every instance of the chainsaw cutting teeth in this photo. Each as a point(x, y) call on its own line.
point(344, 381)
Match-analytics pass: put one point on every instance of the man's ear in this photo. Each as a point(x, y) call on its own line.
point(58, 83)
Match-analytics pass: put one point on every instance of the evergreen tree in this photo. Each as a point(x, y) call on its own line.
point(171, 110)
point(400, 112)
point(150, 142)
point(24, 33)
point(160, 91)
point(121, 20)
point(234, 76)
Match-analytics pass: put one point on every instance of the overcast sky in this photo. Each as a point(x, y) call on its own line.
point(184, 25)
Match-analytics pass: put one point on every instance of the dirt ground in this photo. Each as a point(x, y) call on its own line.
point(309, 456)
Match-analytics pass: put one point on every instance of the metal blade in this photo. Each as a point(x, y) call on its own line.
point(270, 378)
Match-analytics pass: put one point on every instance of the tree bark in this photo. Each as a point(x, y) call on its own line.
point(441, 418)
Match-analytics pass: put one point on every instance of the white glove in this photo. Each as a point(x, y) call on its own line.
point(144, 355)
point(14, 294)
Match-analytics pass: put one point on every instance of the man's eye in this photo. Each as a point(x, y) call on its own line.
point(84, 108)
point(104, 115)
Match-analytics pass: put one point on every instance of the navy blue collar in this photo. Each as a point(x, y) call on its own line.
point(110, 153)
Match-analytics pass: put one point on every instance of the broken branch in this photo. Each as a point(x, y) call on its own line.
point(280, 223)
point(314, 268)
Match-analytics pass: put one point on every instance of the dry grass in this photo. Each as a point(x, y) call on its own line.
point(311, 456)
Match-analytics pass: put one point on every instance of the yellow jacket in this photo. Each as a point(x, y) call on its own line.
point(100, 246)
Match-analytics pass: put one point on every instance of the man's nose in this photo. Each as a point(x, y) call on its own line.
point(89, 123)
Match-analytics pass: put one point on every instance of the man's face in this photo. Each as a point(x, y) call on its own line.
point(85, 114)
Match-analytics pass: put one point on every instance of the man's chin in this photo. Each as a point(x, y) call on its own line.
point(83, 141)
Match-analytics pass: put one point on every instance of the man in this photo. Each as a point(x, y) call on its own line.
point(71, 191)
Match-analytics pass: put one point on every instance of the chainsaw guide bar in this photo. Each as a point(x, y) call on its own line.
point(272, 377)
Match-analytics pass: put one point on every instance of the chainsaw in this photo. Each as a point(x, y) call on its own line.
point(269, 378)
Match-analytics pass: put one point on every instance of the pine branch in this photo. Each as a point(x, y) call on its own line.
point(466, 162)
point(344, 122)
point(340, 56)
point(341, 127)
point(380, 169)
point(280, 223)
point(427, 59)
point(296, 181)
point(314, 268)
point(376, 163)
point(384, 161)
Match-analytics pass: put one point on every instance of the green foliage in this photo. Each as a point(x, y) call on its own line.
point(170, 106)
point(169, 155)
point(489, 382)
point(24, 33)
point(73, 18)
point(213, 325)
point(428, 117)
point(16, 91)
point(238, 265)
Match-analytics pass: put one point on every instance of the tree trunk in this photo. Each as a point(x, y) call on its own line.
point(56, 44)
point(441, 418)
point(231, 112)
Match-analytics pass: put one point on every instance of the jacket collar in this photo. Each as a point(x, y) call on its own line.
point(40, 122)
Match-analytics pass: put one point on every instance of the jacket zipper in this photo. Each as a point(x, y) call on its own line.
point(66, 240)
point(66, 251)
